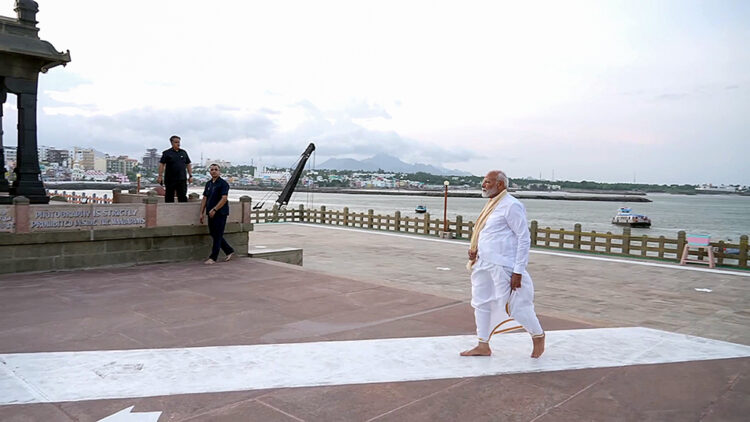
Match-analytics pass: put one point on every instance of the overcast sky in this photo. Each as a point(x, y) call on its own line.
point(610, 91)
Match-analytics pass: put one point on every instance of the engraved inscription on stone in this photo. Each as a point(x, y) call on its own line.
point(7, 222)
point(87, 217)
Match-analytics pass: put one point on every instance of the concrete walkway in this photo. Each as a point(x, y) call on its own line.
point(569, 286)
point(159, 329)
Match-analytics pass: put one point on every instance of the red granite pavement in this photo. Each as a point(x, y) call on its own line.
point(250, 301)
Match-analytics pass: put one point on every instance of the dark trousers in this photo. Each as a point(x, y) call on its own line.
point(216, 228)
point(178, 186)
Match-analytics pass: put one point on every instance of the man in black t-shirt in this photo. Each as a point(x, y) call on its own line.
point(175, 161)
point(215, 204)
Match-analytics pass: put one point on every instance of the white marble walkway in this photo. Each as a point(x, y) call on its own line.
point(91, 375)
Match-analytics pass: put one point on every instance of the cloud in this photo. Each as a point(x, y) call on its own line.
point(365, 110)
point(673, 96)
point(133, 131)
point(225, 132)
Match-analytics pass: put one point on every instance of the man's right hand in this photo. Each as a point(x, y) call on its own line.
point(159, 180)
point(201, 218)
point(472, 255)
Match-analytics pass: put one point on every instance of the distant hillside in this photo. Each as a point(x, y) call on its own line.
point(388, 163)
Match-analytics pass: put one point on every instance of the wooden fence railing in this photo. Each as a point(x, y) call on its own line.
point(624, 244)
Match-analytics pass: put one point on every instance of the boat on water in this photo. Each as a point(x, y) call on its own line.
point(421, 209)
point(625, 217)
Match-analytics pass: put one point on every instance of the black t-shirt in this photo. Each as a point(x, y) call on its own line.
point(213, 193)
point(176, 164)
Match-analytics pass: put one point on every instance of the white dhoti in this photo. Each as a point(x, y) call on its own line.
point(496, 306)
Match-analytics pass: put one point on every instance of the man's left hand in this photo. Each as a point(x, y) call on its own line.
point(515, 281)
point(190, 180)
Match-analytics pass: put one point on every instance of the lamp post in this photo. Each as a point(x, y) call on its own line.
point(138, 185)
point(445, 208)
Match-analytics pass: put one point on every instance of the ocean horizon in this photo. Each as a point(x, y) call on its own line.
point(723, 217)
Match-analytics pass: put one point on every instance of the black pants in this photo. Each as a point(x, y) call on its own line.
point(216, 228)
point(178, 186)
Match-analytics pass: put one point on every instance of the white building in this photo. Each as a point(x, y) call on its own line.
point(77, 172)
point(276, 176)
point(707, 187)
point(221, 163)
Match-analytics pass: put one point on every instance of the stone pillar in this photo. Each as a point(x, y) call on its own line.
point(4, 187)
point(151, 202)
point(397, 221)
point(577, 236)
point(346, 216)
point(626, 241)
point(116, 192)
point(662, 241)
point(719, 254)
point(460, 226)
point(681, 241)
point(247, 206)
point(22, 210)
point(743, 261)
point(534, 230)
point(301, 213)
point(593, 238)
point(28, 181)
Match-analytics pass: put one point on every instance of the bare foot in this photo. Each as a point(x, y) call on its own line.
point(482, 349)
point(538, 346)
point(209, 261)
point(229, 257)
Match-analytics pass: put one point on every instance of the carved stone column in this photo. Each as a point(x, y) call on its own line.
point(3, 181)
point(28, 181)
point(22, 56)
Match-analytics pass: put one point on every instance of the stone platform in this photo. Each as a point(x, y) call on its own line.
point(209, 330)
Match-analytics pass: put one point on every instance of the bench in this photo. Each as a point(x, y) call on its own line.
point(698, 241)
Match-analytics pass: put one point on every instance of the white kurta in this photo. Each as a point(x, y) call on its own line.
point(503, 249)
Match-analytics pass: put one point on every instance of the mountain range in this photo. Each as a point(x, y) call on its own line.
point(387, 163)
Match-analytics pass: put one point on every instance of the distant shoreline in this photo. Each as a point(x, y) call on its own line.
point(572, 195)
point(578, 196)
point(459, 194)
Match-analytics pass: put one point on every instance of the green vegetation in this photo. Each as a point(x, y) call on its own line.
point(594, 186)
point(349, 179)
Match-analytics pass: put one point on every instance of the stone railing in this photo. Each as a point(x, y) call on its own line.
point(148, 211)
point(40, 237)
point(734, 255)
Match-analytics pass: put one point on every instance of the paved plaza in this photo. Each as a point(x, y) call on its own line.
point(370, 329)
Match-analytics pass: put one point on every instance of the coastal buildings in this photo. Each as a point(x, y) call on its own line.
point(61, 157)
point(151, 160)
point(709, 188)
point(57, 164)
point(121, 164)
point(84, 157)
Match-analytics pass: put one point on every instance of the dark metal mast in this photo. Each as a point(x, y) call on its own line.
point(286, 194)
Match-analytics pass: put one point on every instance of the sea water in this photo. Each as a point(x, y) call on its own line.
point(723, 217)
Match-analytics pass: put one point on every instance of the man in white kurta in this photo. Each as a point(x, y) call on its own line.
point(500, 284)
